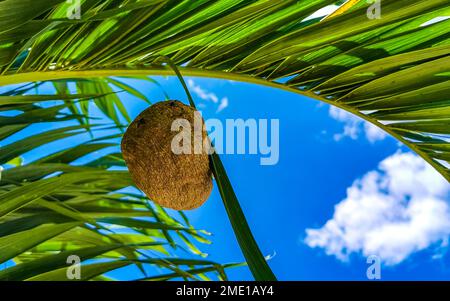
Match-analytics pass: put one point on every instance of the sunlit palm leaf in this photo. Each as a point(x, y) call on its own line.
point(51, 208)
point(394, 71)
point(348, 60)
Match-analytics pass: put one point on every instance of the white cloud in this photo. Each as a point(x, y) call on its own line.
point(223, 104)
point(354, 126)
point(208, 96)
point(373, 133)
point(203, 94)
point(392, 212)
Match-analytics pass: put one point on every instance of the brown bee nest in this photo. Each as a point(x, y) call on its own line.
point(177, 181)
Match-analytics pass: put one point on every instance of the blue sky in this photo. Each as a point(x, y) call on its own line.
point(397, 209)
point(322, 153)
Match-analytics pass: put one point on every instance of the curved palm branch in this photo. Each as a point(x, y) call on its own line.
point(380, 70)
point(392, 71)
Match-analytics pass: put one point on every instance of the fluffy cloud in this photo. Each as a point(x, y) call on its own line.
point(223, 104)
point(353, 126)
point(392, 212)
point(208, 96)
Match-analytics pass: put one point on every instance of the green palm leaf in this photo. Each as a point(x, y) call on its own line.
point(51, 208)
point(393, 72)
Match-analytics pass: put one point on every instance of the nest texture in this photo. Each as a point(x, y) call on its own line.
point(177, 181)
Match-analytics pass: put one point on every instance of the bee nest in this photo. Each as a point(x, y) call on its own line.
point(178, 181)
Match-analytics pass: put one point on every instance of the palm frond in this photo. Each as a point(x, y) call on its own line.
point(52, 207)
point(377, 69)
point(392, 71)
